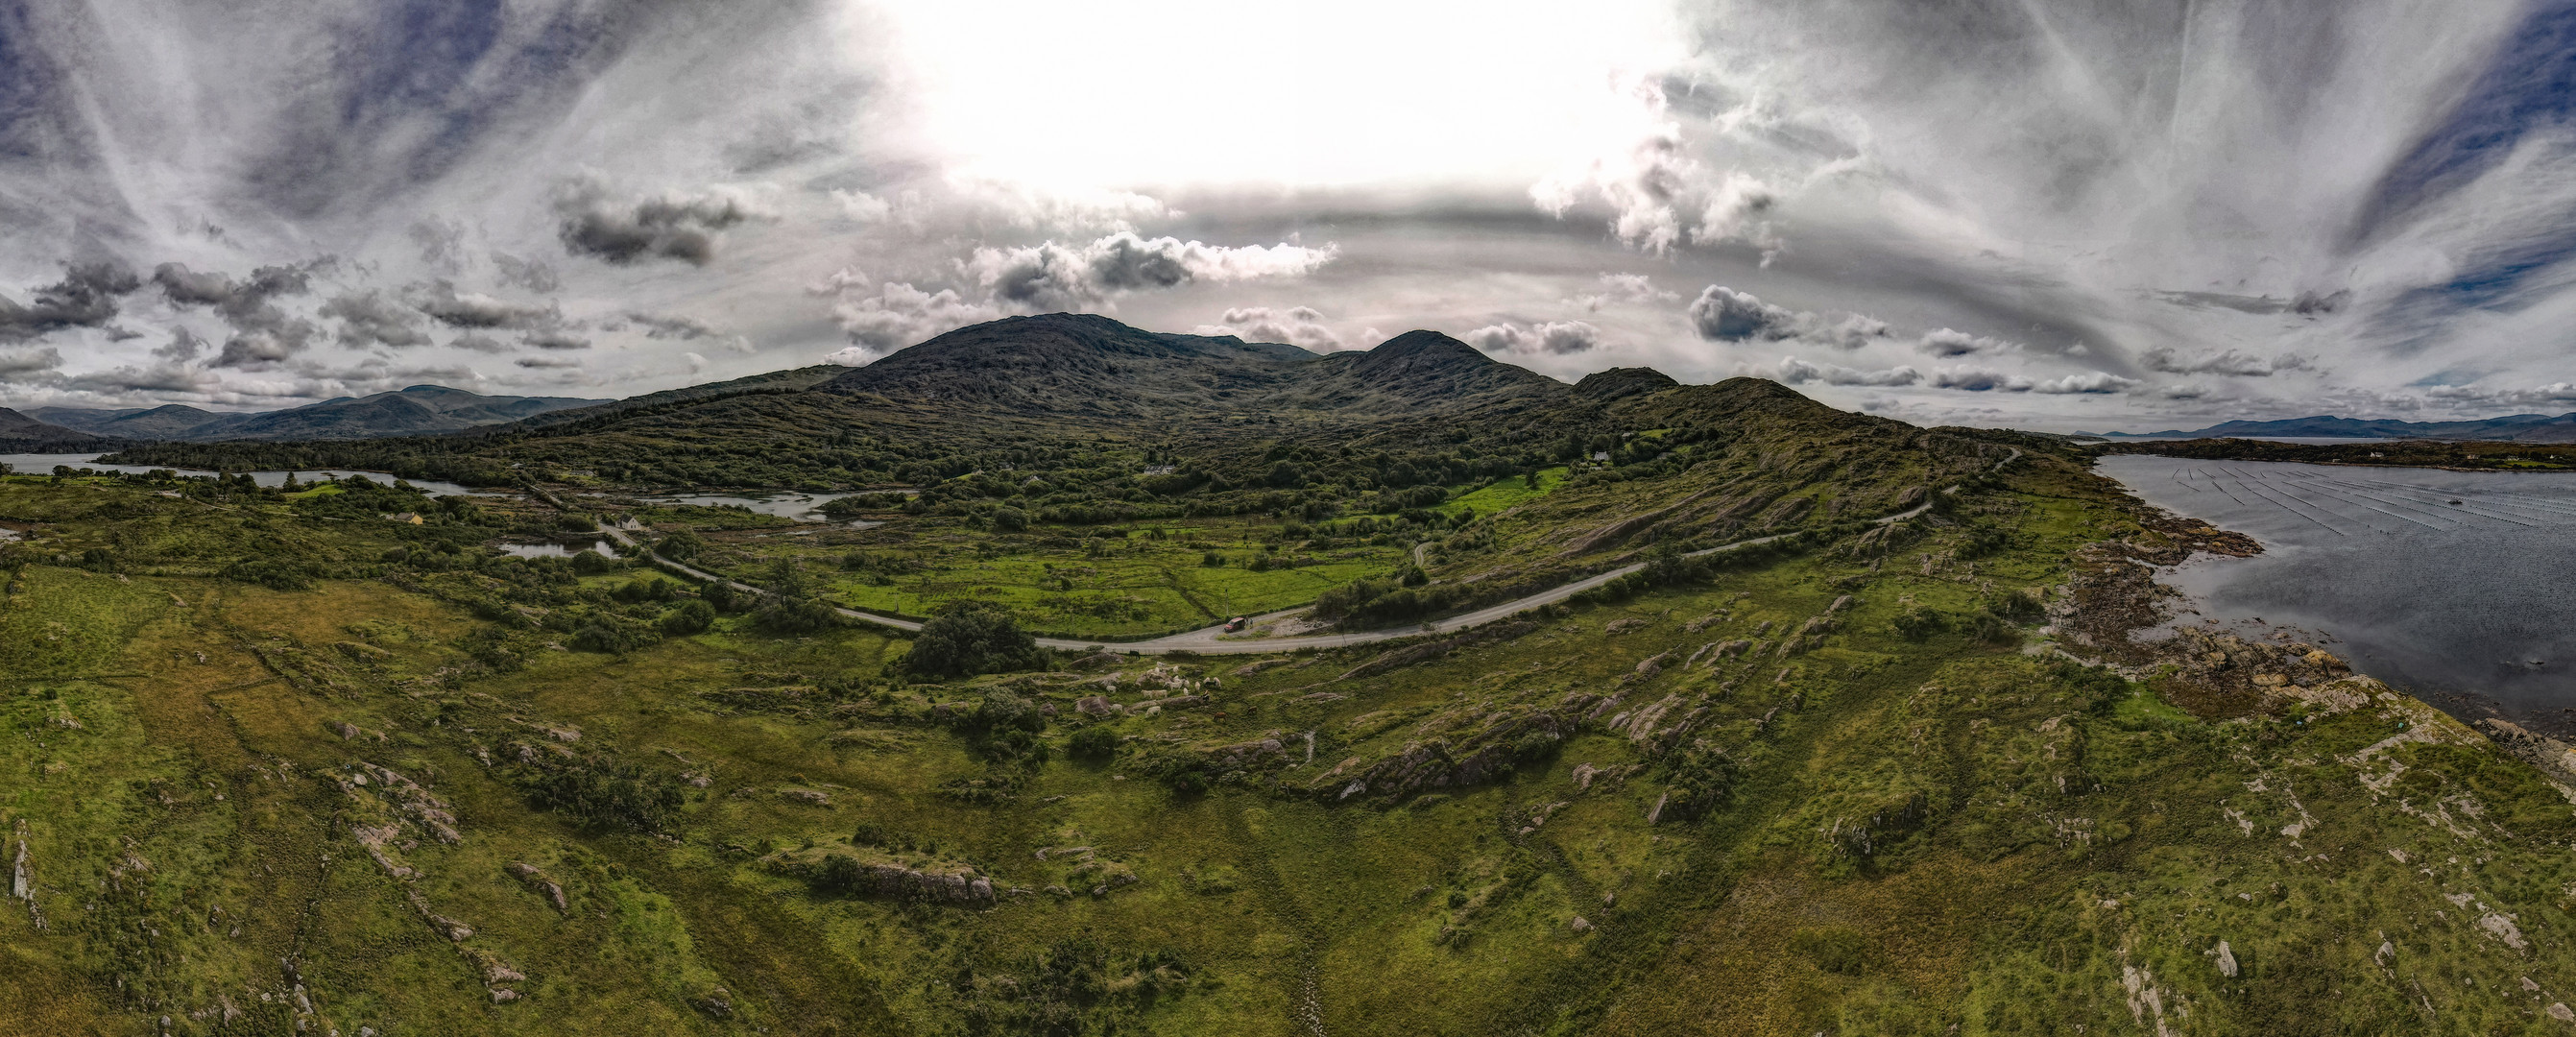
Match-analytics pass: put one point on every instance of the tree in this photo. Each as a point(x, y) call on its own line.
point(691, 617)
point(965, 641)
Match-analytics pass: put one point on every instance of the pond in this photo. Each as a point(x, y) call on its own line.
point(2432, 580)
point(554, 550)
point(43, 464)
point(798, 507)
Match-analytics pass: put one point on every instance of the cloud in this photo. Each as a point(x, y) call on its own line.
point(546, 362)
point(479, 342)
point(1977, 379)
point(1722, 314)
point(673, 225)
point(1794, 371)
point(255, 351)
point(1051, 275)
point(370, 318)
point(1622, 288)
point(682, 328)
point(551, 338)
point(441, 242)
point(85, 297)
point(2226, 361)
point(184, 345)
point(1660, 193)
point(893, 314)
point(1948, 344)
point(2087, 382)
point(443, 303)
point(26, 365)
point(264, 335)
point(861, 206)
point(1561, 338)
point(529, 275)
point(1300, 326)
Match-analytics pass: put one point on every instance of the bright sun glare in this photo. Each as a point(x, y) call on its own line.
point(1279, 92)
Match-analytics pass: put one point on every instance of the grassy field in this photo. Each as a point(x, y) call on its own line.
point(232, 799)
point(1108, 582)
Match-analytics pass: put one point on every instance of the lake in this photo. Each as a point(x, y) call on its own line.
point(43, 464)
point(553, 550)
point(800, 507)
point(2435, 581)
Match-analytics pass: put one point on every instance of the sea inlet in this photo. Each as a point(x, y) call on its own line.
point(2457, 586)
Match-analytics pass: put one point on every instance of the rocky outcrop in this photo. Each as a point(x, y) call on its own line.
point(866, 872)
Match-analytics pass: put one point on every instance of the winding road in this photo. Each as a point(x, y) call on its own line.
point(1215, 640)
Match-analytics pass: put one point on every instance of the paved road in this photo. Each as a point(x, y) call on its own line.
point(1215, 641)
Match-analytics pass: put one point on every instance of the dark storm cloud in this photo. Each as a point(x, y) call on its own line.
point(671, 226)
point(85, 297)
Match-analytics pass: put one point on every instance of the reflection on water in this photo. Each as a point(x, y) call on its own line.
point(43, 464)
point(553, 550)
point(2433, 580)
point(799, 507)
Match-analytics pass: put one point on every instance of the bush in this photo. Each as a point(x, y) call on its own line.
point(683, 545)
point(576, 522)
point(596, 791)
point(281, 576)
point(691, 617)
point(1093, 743)
point(1010, 520)
point(783, 615)
point(966, 641)
point(613, 634)
point(1917, 623)
point(593, 563)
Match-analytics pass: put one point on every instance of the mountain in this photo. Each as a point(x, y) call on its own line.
point(20, 432)
point(418, 410)
point(169, 421)
point(2527, 428)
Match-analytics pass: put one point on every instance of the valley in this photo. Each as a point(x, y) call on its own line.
point(1618, 707)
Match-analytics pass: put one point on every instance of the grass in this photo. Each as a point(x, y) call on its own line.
point(1504, 494)
point(2048, 848)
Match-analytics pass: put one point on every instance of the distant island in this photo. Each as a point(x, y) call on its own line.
point(2517, 428)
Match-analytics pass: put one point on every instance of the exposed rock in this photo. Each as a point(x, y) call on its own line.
point(1617, 627)
point(1703, 623)
point(346, 730)
point(537, 880)
point(1583, 775)
point(1248, 669)
point(1580, 924)
point(2226, 958)
point(1096, 706)
point(1095, 661)
point(881, 874)
point(809, 797)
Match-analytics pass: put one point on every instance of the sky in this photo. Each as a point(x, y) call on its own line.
point(2127, 215)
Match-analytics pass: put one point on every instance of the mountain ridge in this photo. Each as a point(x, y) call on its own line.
point(2528, 428)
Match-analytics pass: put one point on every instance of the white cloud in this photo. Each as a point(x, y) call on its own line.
point(1300, 326)
point(1794, 371)
point(893, 314)
point(2226, 361)
point(1618, 289)
point(1558, 338)
point(1949, 344)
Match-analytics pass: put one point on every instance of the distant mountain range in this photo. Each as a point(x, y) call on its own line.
point(418, 410)
point(2521, 428)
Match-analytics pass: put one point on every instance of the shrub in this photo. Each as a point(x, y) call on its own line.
point(613, 634)
point(683, 545)
point(597, 791)
point(282, 576)
point(1093, 743)
point(593, 563)
point(967, 640)
point(690, 617)
point(784, 615)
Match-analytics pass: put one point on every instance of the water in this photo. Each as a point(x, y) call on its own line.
point(43, 464)
point(553, 550)
point(799, 507)
point(2432, 580)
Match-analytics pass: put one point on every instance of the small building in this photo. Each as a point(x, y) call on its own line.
point(406, 517)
